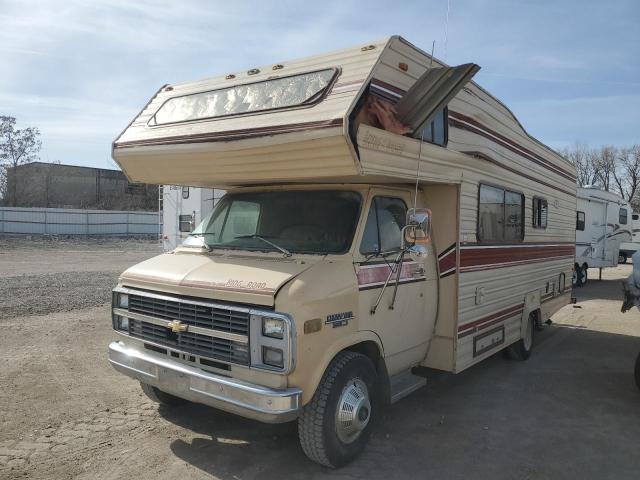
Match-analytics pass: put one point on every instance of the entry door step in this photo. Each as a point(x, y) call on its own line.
point(404, 383)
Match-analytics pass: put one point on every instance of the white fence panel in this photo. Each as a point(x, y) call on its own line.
point(66, 221)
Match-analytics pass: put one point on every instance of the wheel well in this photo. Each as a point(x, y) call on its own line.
point(371, 350)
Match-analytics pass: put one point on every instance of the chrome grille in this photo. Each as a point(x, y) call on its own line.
point(223, 319)
point(204, 345)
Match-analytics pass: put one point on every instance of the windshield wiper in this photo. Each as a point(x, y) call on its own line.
point(286, 252)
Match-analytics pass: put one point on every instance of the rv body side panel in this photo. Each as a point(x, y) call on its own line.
point(606, 227)
point(629, 248)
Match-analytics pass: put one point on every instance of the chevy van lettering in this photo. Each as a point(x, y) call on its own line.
point(339, 319)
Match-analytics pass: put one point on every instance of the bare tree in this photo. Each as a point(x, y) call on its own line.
point(17, 147)
point(582, 158)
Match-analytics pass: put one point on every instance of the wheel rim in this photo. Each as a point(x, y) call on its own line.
point(528, 336)
point(621, 259)
point(583, 276)
point(574, 277)
point(354, 411)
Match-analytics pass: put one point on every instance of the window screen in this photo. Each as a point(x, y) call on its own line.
point(500, 215)
point(623, 216)
point(580, 221)
point(383, 230)
point(540, 212)
point(285, 92)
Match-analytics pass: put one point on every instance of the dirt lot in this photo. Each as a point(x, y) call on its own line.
point(571, 411)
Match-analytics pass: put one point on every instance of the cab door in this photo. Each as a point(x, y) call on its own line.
point(404, 324)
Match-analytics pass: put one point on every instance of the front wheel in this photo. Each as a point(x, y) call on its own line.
point(575, 278)
point(336, 424)
point(584, 274)
point(622, 257)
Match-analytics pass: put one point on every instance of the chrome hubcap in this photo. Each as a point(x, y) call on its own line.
point(354, 411)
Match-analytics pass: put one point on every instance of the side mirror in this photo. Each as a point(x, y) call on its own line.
point(417, 232)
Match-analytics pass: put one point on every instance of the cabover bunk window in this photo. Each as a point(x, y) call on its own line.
point(305, 89)
point(500, 215)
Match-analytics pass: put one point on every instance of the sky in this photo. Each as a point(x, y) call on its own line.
point(81, 70)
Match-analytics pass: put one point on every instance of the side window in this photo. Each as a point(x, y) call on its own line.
point(580, 221)
point(540, 212)
point(500, 215)
point(383, 230)
point(436, 131)
point(635, 216)
point(186, 223)
point(623, 216)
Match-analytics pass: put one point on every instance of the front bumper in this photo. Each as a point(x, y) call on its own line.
point(231, 395)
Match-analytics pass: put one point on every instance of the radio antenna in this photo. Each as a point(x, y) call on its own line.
point(415, 195)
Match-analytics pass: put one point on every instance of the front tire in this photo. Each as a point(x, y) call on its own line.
point(521, 350)
point(575, 278)
point(336, 424)
point(161, 397)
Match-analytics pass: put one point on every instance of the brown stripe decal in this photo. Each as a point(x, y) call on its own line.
point(197, 284)
point(464, 122)
point(374, 276)
point(233, 134)
point(447, 261)
point(485, 322)
point(478, 257)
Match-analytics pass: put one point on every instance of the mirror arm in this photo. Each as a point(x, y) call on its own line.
point(384, 287)
point(395, 288)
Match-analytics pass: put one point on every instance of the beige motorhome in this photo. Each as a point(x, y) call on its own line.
point(383, 212)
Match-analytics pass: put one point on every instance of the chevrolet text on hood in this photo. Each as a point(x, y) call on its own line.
point(383, 213)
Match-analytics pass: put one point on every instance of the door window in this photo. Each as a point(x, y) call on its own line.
point(623, 216)
point(383, 230)
point(580, 221)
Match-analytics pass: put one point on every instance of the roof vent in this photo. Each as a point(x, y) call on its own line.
point(368, 47)
point(253, 71)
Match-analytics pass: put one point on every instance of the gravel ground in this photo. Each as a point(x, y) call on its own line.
point(570, 411)
point(46, 275)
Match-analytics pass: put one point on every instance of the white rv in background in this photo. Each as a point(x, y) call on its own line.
point(627, 249)
point(182, 208)
point(603, 222)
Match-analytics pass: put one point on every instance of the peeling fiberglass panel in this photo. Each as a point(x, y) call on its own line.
point(291, 91)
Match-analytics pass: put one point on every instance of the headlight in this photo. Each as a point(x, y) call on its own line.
point(123, 301)
point(272, 356)
point(273, 327)
point(121, 323)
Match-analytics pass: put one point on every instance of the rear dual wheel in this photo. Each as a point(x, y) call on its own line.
point(521, 350)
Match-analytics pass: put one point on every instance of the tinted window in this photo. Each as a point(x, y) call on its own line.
point(540, 212)
point(623, 216)
point(580, 221)
point(500, 215)
point(299, 221)
point(383, 231)
point(634, 216)
point(436, 130)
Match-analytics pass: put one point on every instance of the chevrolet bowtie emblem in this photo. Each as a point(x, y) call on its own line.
point(177, 326)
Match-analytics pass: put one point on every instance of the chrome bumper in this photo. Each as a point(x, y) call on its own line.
point(228, 394)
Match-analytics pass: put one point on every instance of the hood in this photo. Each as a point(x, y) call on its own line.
point(243, 279)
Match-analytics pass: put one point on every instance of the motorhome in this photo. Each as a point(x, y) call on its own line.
point(603, 222)
point(383, 213)
point(182, 208)
point(627, 249)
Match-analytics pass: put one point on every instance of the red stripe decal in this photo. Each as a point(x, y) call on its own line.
point(497, 317)
point(474, 258)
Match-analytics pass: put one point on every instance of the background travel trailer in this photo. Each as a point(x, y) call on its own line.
point(603, 222)
point(627, 249)
point(388, 127)
point(182, 208)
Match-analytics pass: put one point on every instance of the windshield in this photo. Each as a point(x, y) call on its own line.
point(300, 221)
